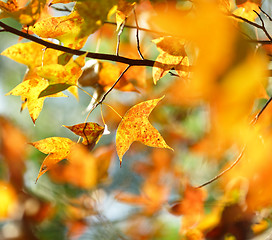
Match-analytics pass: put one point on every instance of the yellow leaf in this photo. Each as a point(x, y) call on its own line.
point(91, 132)
point(31, 89)
point(74, 29)
point(172, 55)
point(136, 127)
point(57, 149)
point(124, 8)
point(31, 54)
point(60, 75)
point(246, 10)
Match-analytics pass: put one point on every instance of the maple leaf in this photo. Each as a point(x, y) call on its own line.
point(91, 132)
point(61, 77)
point(136, 127)
point(172, 55)
point(57, 149)
point(124, 8)
point(30, 90)
point(74, 29)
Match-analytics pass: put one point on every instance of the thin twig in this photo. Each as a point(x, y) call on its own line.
point(246, 20)
point(270, 19)
point(137, 35)
point(224, 171)
point(102, 99)
point(141, 29)
point(253, 122)
point(64, 9)
point(263, 26)
point(119, 36)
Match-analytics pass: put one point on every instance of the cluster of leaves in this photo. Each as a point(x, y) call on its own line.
point(211, 74)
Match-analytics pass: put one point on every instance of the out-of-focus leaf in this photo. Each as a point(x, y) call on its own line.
point(191, 207)
point(27, 15)
point(136, 127)
point(13, 151)
point(84, 169)
point(57, 149)
point(8, 199)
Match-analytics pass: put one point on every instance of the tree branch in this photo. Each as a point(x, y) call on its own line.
point(100, 56)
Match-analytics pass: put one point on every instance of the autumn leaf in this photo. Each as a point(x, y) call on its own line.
point(31, 54)
point(74, 29)
point(103, 75)
point(31, 89)
point(84, 169)
point(172, 56)
point(61, 77)
point(247, 10)
point(136, 127)
point(57, 149)
point(27, 15)
point(91, 132)
point(124, 8)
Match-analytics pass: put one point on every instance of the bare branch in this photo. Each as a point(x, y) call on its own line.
point(263, 26)
point(119, 36)
point(101, 56)
point(141, 29)
point(224, 171)
point(137, 35)
point(253, 122)
point(270, 19)
point(246, 20)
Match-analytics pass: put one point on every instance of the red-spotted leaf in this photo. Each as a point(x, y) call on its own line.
point(136, 127)
point(57, 149)
point(91, 132)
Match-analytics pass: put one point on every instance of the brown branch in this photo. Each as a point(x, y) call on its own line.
point(100, 56)
point(263, 26)
point(246, 20)
point(224, 171)
point(270, 19)
point(141, 29)
point(253, 122)
point(137, 35)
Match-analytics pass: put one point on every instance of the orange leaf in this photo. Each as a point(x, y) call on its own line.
point(31, 89)
point(91, 132)
point(57, 149)
point(136, 127)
